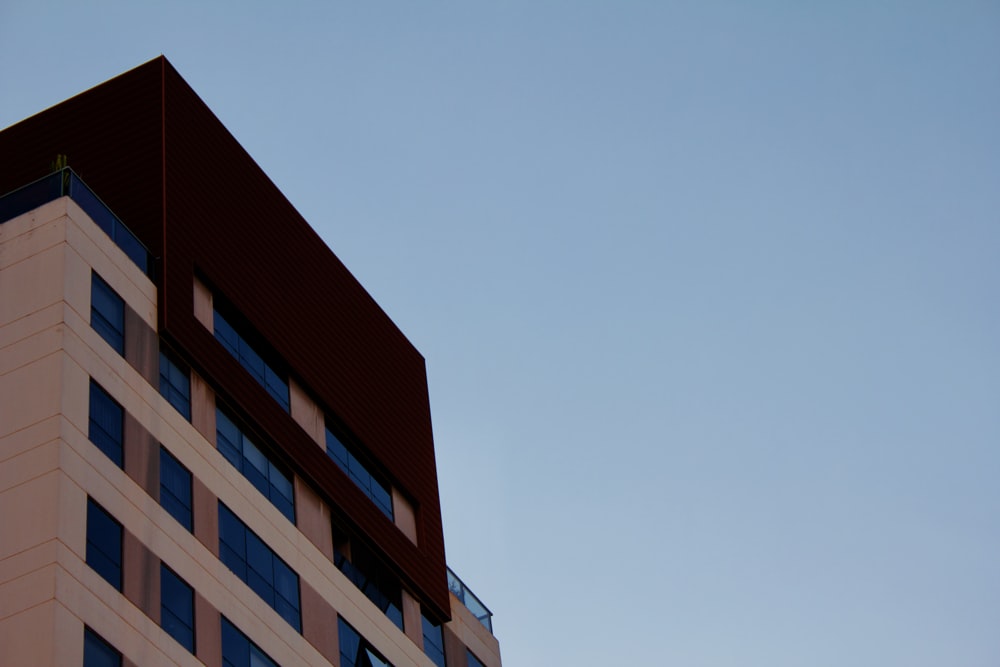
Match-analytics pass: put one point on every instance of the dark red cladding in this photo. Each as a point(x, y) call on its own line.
point(155, 153)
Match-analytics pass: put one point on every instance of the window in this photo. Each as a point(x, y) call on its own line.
point(106, 423)
point(104, 544)
point(473, 660)
point(355, 651)
point(255, 466)
point(238, 651)
point(175, 385)
point(176, 608)
point(371, 577)
point(260, 568)
point(107, 313)
point(97, 652)
point(375, 490)
point(251, 360)
point(433, 641)
point(175, 488)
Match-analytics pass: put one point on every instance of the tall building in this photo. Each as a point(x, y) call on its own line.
point(215, 447)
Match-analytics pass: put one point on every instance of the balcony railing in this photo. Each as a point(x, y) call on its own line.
point(63, 183)
point(469, 599)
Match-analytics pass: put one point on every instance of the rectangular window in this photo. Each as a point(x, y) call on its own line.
point(97, 652)
point(251, 360)
point(355, 651)
point(107, 313)
point(371, 577)
point(433, 641)
point(107, 423)
point(175, 488)
point(260, 568)
point(238, 651)
point(175, 385)
point(254, 464)
point(104, 544)
point(376, 491)
point(473, 660)
point(176, 608)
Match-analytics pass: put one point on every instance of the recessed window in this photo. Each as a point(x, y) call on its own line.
point(175, 488)
point(376, 491)
point(104, 544)
point(239, 651)
point(370, 576)
point(97, 652)
point(473, 660)
point(254, 464)
point(107, 423)
point(176, 608)
point(355, 651)
point(243, 552)
point(251, 360)
point(107, 313)
point(433, 641)
point(175, 385)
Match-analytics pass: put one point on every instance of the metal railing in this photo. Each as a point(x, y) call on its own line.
point(469, 599)
point(63, 183)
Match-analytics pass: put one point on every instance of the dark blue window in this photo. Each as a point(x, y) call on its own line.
point(106, 423)
point(433, 641)
point(107, 313)
point(175, 488)
point(175, 385)
point(251, 360)
point(255, 465)
point(260, 568)
point(473, 660)
point(104, 544)
point(176, 608)
point(97, 652)
point(377, 491)
point(238, 651)
point(355, 651)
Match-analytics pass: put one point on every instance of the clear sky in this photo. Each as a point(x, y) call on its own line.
point(708, 293)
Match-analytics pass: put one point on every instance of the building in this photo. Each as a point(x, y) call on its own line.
point(215, 447)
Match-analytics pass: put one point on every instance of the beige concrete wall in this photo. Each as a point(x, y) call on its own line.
point(305, 411)
point(467, 628)
point(404, 515)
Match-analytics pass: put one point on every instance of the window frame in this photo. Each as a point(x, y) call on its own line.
point(175, 383)
point(110, 443)
point(102, 297)
point(230, 633)
point(94, 642)
point(360, 473)
point(100, 557)
point(250, 357)
point(185, 627)
point(259, 567)
point(437, 656)
point(182, 509)
point(244, 455)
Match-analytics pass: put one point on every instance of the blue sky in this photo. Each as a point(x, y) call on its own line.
point(708, 294)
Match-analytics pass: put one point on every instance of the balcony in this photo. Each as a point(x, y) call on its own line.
point(469, 599)
point(65, 183)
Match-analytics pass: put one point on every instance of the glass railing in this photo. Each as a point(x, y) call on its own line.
point(65, 183)
point(469, 599)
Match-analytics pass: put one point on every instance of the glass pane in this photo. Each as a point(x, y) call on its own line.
point(97, 652)
point(104, 544)
point(226, 335)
